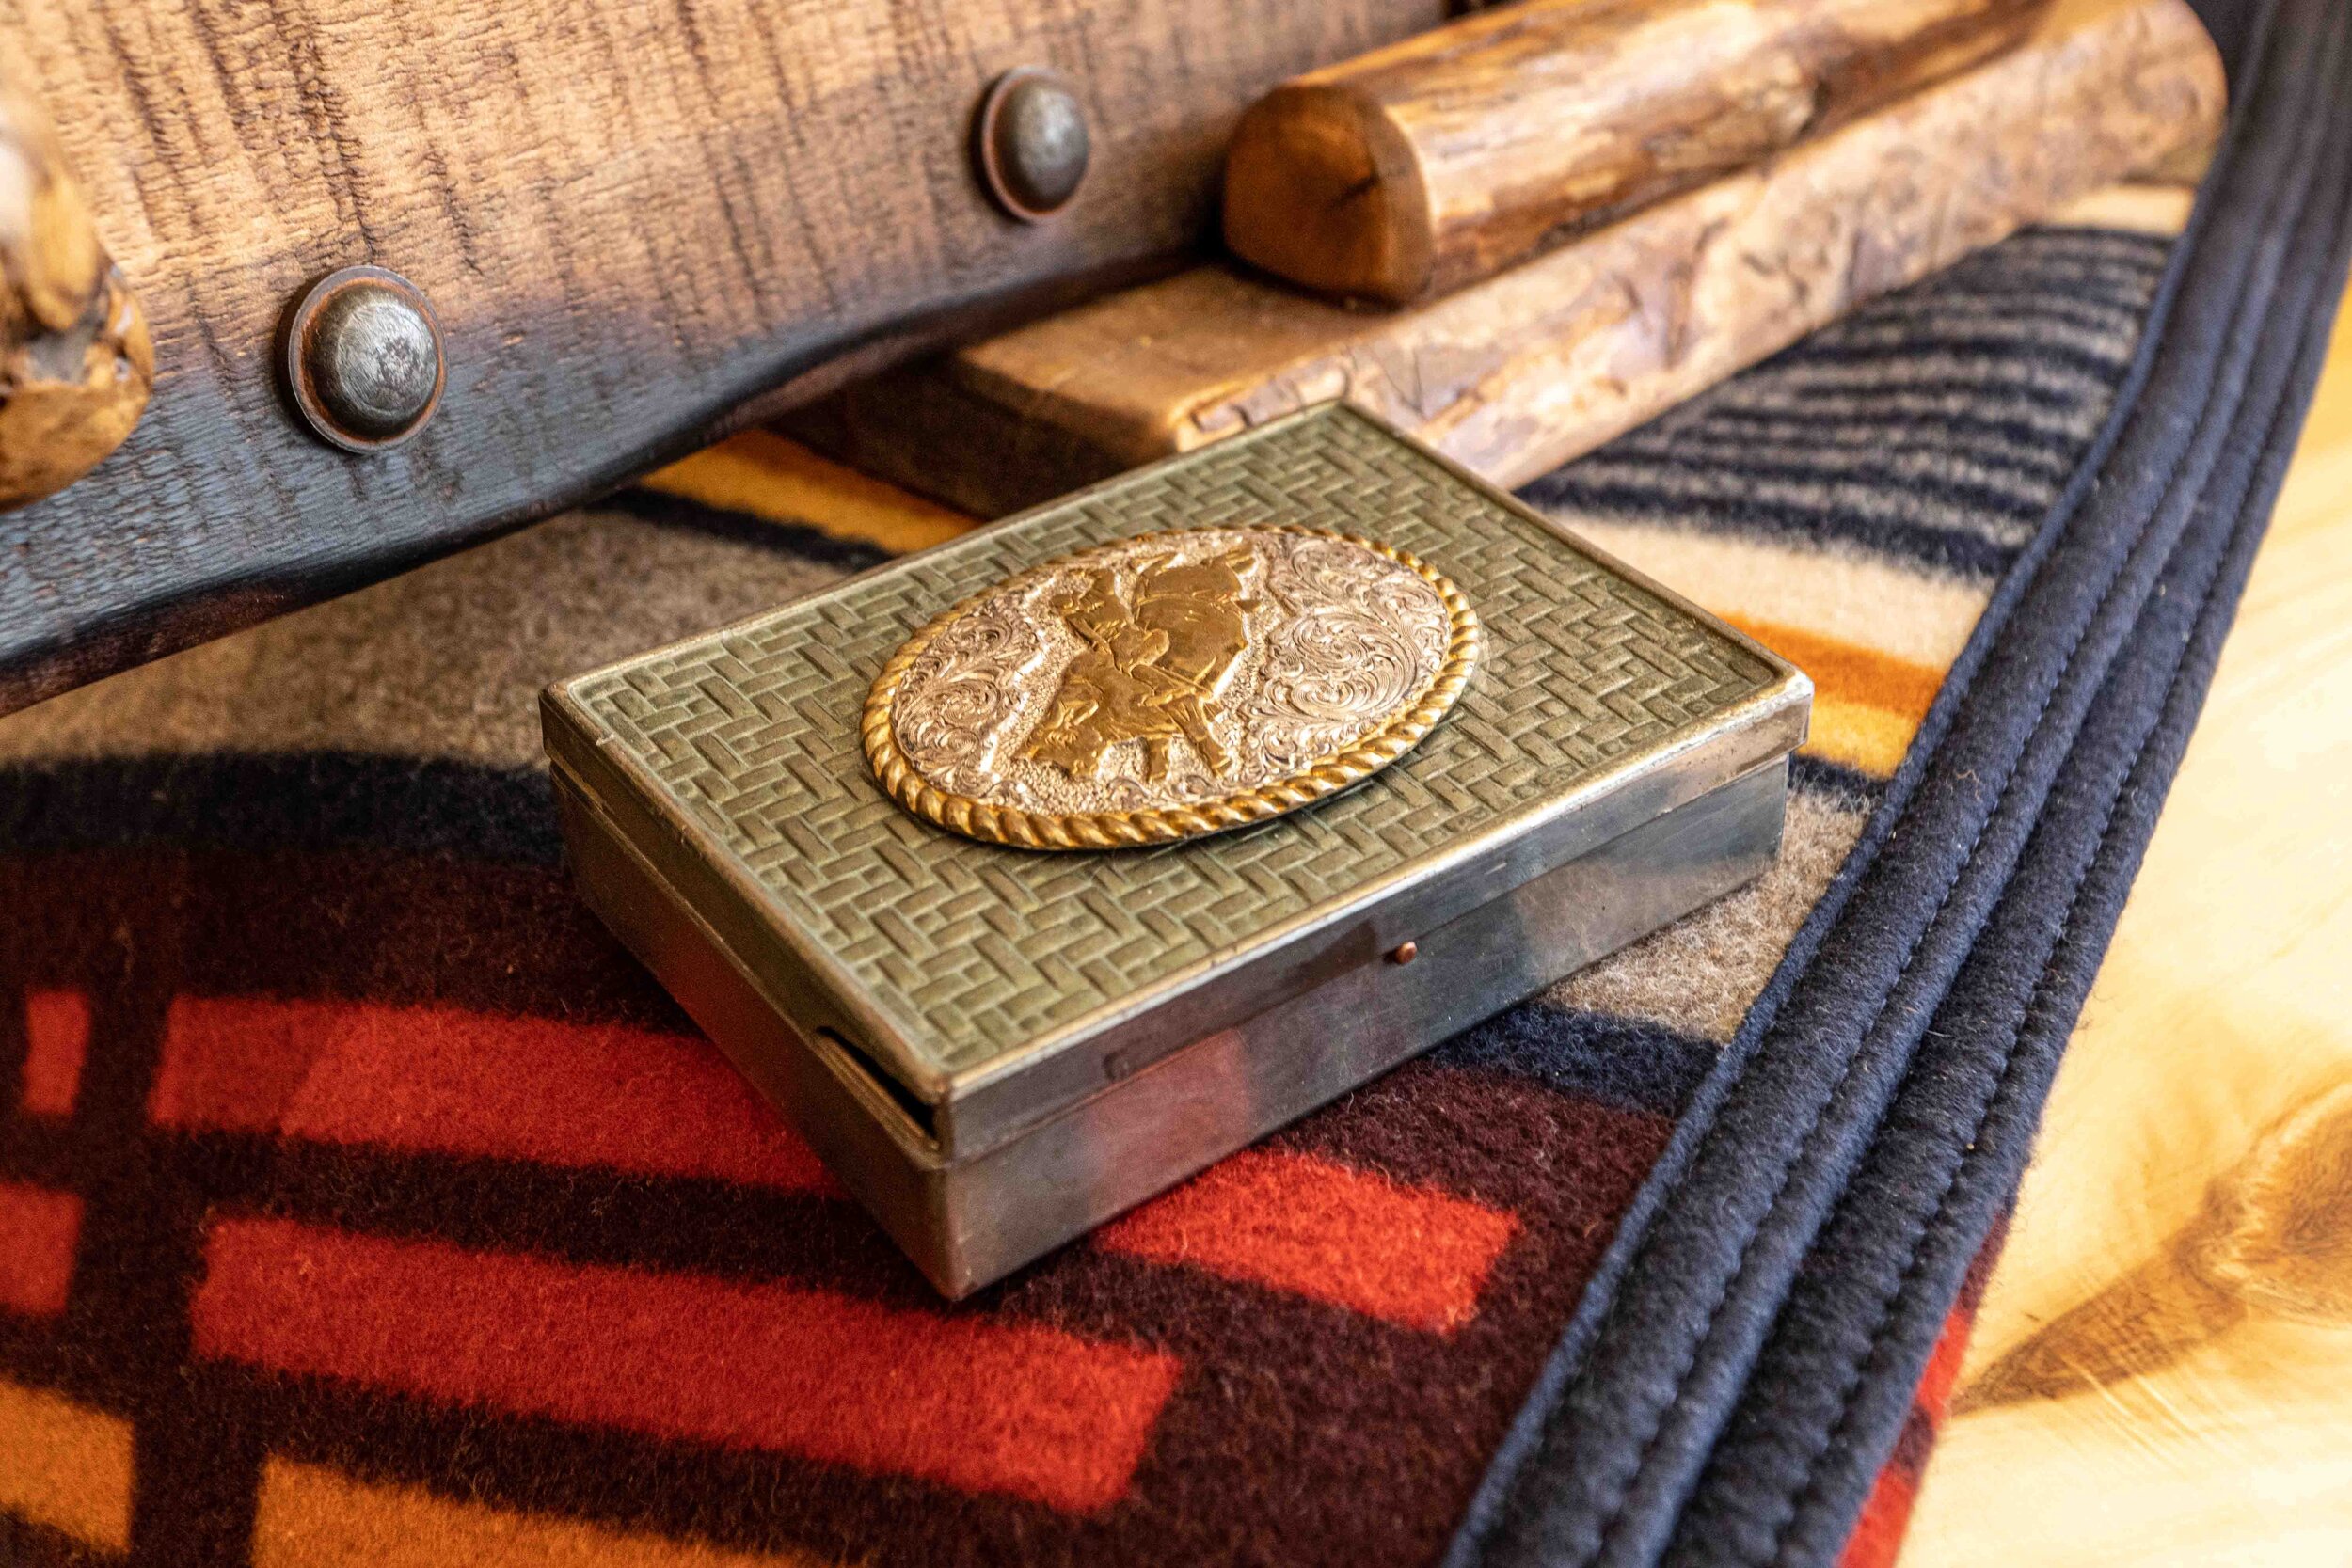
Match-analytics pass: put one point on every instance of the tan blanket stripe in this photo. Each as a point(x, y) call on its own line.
point(65, 1467)
point(313, 1516)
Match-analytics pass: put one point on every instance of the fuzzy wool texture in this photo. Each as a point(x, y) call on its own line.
point(412, 1222)
point(1700, 975)
point(444, 662)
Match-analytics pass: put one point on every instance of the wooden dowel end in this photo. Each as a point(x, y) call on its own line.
point(1423, 167)
point(77, 364)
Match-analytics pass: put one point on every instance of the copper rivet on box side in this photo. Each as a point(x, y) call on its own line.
point(1032, 143)
point(1403, 953)
point(364, 358)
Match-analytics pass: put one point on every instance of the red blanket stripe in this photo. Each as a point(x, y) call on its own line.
point(351, 1306)
point(971, 1401)
point(984, 1405)
point(1356, 1240)
point(39, 1231)
point(56, 1042)
point(452, 1080)
point(1943, 1370)
point(1878, 1536)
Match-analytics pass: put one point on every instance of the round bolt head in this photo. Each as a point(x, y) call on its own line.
point(1032, 143)
point(364, 358)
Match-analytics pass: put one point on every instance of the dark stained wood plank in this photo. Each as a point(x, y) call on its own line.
point(631, 217)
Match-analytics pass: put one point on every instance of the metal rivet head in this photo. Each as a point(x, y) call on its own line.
point(1404, 952)
point(1032, 143)
point(364, 358)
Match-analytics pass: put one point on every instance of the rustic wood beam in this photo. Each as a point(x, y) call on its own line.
point(1518, 374)
point(1441, 159)
point(76, 360)
point(630, 218)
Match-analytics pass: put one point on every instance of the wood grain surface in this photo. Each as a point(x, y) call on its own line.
point(1515, 375)
point(631, 217)
point(1448, 157)
point(2161, 1372)
point(76, 360)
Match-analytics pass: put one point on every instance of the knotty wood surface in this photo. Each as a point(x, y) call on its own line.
point(1449, 156)
point(1518, 374)
point(75, 361)
point(631, 218)
point(2161, 1372)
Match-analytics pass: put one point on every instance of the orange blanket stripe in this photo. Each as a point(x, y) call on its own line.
point(980, 1404)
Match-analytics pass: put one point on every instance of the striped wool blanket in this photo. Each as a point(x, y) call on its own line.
point(361, 1200)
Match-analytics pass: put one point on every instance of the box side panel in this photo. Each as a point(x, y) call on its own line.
point(864, 1137)
point(968, 1222)
point(984, 1108)
point(1190, 1109)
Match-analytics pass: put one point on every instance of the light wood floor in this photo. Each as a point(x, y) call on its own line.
point(2162, 1372)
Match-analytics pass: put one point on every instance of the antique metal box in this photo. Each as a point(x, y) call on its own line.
point(996, 1048)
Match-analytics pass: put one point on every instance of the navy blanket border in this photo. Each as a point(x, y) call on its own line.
point(1743, 1362)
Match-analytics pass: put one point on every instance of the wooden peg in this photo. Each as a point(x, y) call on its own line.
point(75, 362)
point(1433, 163)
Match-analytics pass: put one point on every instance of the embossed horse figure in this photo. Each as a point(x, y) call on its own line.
point(1152, 666)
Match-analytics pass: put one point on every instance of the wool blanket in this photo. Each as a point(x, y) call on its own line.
point(360, 1199)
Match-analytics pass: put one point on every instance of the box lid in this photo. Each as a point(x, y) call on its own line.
point(990, 986)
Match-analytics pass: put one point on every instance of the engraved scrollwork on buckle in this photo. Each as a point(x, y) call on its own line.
point(1169, 686)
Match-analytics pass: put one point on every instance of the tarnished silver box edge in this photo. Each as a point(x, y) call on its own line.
point(1772, 722)
point(967, 1220)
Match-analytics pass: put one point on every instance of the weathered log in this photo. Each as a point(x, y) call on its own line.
point(1518, 374)
point(1444, 159)
point(75, 362)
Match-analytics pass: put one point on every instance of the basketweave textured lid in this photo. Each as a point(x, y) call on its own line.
point(969, 959)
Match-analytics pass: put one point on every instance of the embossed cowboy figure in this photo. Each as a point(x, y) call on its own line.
point(1152, 666)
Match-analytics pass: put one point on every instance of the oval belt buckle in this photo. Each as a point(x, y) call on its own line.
point(1169, 686)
